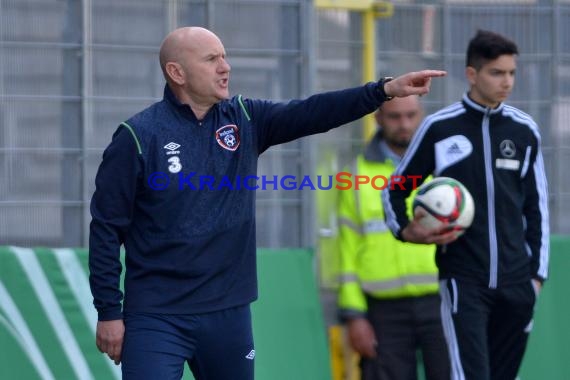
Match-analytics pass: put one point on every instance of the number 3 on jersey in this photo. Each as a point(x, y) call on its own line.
point(175, 165)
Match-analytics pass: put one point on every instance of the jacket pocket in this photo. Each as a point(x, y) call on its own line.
point(535, 289)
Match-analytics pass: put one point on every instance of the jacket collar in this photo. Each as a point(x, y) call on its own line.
point(186, 110)
point(169, 96)
point(377, 150)
point(470, 104)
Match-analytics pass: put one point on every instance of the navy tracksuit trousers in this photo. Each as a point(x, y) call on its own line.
point(216, 346)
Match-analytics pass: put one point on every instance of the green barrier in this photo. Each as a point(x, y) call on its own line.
point(47, 320)
point(546, 356)
point(290, 336)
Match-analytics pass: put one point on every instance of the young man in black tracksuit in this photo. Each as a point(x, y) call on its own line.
point(171, 189)
point(490, 276)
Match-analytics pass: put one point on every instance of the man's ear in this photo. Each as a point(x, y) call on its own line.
point(378, 116)
point(175, 72)
point(471, 75)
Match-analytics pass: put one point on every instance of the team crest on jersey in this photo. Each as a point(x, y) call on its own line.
point(228, 137)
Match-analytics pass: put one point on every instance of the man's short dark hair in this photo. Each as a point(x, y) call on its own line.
point(487, 46)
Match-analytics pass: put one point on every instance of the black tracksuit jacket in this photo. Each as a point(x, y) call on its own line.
point(496, 154)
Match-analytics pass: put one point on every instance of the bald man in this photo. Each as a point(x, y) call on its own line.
point(170, 190)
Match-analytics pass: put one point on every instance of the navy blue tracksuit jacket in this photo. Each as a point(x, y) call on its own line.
point(169, 189)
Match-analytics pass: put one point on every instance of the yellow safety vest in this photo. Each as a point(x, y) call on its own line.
point(372, 261)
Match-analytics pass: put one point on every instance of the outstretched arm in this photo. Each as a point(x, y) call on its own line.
point(414, 83)
point(278, 123)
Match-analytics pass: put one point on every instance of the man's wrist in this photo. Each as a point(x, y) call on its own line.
point(110, 314)
point(382, 88)
point(400, 234)
point(346, 315)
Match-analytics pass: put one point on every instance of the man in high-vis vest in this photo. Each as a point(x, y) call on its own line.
point(388, 295)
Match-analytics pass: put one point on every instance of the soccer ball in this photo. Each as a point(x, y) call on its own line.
point(445, 201)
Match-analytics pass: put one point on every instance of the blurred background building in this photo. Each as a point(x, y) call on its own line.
point(72, 70)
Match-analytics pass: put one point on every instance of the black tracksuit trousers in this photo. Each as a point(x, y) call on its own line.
point(403, 326)
point(486, 329)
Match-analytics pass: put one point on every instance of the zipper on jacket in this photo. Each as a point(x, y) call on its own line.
point(487, 153)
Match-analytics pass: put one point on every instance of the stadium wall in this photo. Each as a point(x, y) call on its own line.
point(47, 319)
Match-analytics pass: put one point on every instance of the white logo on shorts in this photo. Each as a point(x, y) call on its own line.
point(251, 355)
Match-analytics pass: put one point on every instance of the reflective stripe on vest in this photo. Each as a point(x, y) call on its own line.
point(395, 283)
point(374, 226)
point(347, 277)
point(350, 224)
point(370, 227)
